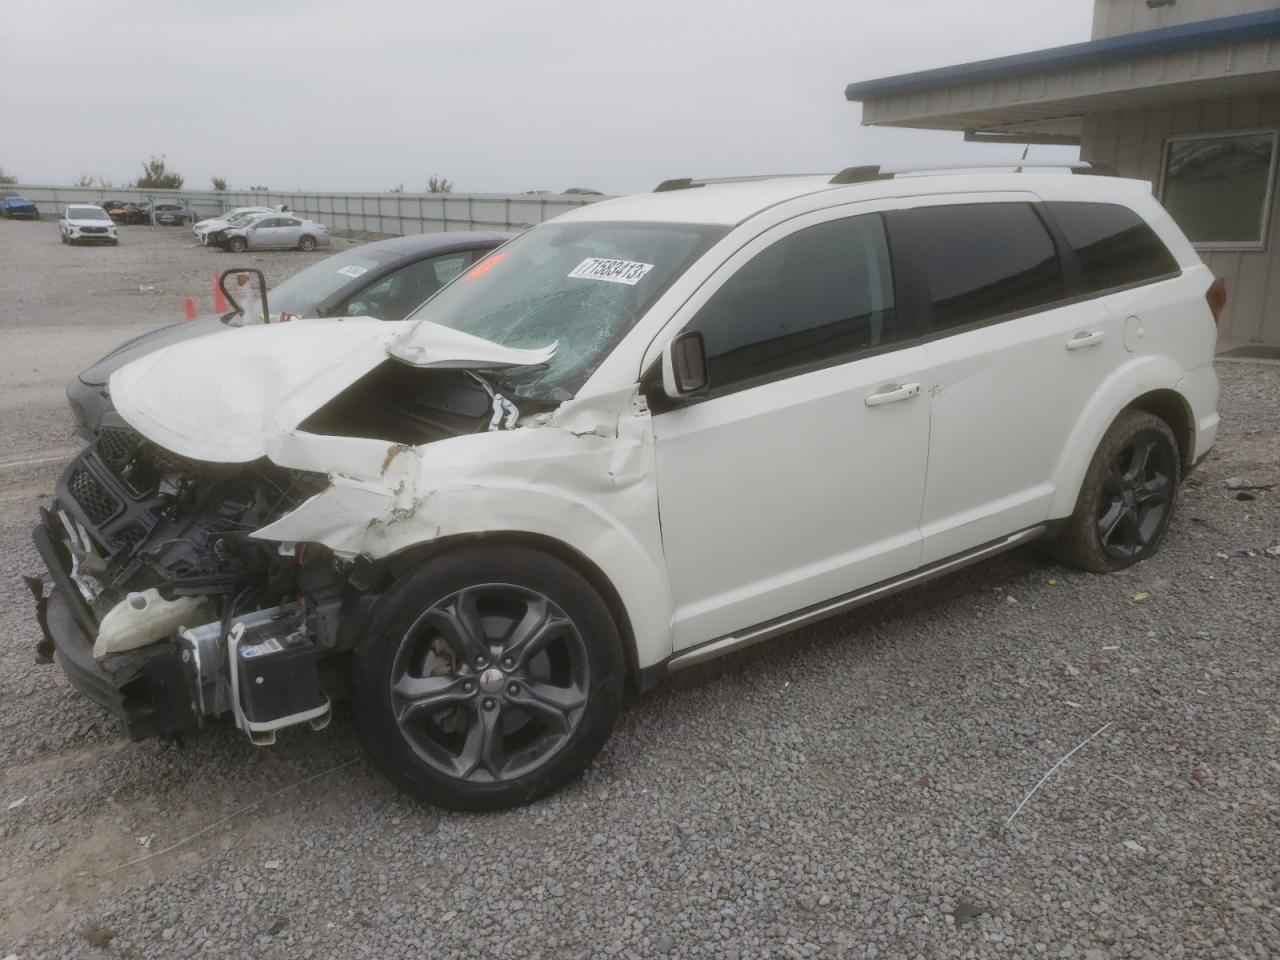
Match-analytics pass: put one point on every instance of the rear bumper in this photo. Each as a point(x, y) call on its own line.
point(1200, 388)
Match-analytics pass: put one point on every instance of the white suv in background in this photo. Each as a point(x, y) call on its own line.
point(86, 223)
point(652, 431)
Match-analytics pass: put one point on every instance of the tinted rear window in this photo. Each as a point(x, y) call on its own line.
point(985, 261)
point(1114, 245)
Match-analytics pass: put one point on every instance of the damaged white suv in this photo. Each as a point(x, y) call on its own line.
point(649, 432)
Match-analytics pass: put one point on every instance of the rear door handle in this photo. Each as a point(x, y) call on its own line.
point(1086, 338)
point(892, 393)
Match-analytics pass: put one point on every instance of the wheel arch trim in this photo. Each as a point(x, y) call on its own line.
point(1151, 384)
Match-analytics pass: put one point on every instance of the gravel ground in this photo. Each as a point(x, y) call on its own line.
point(840, 792)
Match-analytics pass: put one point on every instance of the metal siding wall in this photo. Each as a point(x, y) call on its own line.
point(1133, 141)
point(1114, 17)
point(395, 214)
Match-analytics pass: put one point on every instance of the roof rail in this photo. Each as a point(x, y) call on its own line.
point(869, 172)
point(863, 174)
point(689, 183)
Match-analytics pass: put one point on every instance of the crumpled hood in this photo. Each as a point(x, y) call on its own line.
point(221, 398)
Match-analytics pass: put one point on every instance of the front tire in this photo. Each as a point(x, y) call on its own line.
point(1127, 499)
point(490, 676)
point(236, 244)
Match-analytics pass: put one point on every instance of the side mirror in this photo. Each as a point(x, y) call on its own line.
point(684, 366)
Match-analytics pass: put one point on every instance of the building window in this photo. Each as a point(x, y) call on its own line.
point(1218, 187)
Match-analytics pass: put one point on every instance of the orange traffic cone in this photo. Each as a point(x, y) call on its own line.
point(219, 300)
point(191, 308)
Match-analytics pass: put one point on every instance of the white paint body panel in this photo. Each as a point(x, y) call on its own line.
point(720, 514)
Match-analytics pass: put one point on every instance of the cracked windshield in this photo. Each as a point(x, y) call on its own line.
point(582, 285)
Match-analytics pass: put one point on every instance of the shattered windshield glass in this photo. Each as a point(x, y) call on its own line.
point(581, 284)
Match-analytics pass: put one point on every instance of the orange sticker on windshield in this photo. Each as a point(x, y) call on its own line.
point(484, 266)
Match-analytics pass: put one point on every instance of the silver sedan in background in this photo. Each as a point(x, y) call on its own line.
point(272, 231)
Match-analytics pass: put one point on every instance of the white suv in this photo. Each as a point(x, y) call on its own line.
point(652, 431)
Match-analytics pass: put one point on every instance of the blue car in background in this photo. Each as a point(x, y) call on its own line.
point(16, 207)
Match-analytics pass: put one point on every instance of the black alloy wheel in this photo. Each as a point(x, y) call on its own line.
point(1137, 496)
point(489, 682)
point(1127, 498)
point(489, 677)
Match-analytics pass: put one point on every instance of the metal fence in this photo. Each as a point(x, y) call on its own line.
point(393, 214)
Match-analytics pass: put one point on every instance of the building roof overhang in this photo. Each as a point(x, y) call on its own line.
point(1044, 95)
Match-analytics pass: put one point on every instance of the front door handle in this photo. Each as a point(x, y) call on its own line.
point(1086, 338)
point(892, 393)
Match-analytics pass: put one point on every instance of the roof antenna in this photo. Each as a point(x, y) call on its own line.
point(1025, 150)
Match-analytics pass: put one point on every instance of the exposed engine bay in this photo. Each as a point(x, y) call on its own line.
point(181, 614)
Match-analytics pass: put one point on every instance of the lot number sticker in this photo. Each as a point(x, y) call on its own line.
point(353, 271)
point(613, 271)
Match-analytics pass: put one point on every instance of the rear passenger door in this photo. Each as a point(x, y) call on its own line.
point(1015, 354)
point(261, 235)
point(288, 232)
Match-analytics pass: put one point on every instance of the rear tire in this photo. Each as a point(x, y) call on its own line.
point(307, 243)
point(1127, 498)
point(489, 676)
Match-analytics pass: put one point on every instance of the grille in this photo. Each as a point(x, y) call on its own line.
point(97, 502)
point(117, 446)
point(93, 229)
point(168, 462)
point(126, 538)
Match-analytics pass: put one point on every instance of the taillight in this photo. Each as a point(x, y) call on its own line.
point(1216, 297)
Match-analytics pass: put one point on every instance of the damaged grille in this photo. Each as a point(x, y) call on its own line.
point(168, 462)
point(117, 446)
point(126, 538)
point(98, 504)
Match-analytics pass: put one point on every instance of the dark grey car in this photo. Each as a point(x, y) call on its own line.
point(387, 279)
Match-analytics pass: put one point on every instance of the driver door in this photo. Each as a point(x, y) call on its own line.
point(799, 476)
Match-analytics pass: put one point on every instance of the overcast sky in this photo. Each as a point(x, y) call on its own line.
point(497, 95)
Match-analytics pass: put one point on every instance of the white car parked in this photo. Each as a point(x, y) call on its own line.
point(652, 431)
point(87, 223)
point(271, 231)
point(203, 228)
point(232, 218)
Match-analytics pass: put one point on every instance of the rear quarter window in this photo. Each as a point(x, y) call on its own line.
point(1114, 246)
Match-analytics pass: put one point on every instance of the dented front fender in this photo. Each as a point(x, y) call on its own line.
point(584, 477)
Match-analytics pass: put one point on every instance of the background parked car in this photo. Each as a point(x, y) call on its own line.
point(87, 222)
point(203, 228)
point(172, 213)
point(387, 279)
point(137, 212)
point(273, 232)
point(17, 207)
point(115, 209)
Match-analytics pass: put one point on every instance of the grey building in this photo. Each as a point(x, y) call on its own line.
point(1184, 93)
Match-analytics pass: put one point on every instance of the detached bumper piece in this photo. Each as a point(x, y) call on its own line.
point(149, 690)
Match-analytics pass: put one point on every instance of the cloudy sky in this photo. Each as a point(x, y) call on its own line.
point(497, 95)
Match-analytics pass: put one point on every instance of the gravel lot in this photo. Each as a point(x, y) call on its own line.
point(838, 793)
